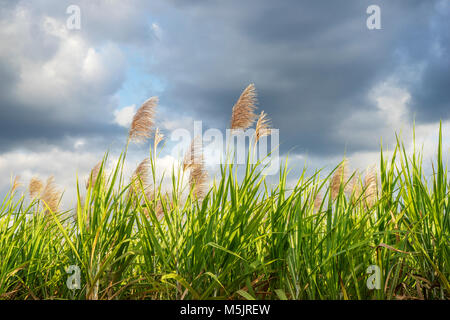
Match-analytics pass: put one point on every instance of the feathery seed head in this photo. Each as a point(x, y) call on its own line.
point(370, 185)
point(317, 201)
point(163, 200)
point(197, 180)
point(35, 187)
point(140, 175)
point(355, 187)
point(143, 121)
point(194, 155)
point(193, 160)
point(339, 177)
point(243, 114)
point(262, 126)
point(94, 175)
point(158, 138)
point(50, 195)
point(16, 184)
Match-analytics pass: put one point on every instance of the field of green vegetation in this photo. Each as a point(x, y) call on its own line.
point(238, 238)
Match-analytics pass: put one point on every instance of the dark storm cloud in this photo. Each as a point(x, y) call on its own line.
point(33, 131)
point(313, 62)
point(431, 96)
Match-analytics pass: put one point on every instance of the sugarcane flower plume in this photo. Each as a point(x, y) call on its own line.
point(243, 114)
point(143, 121)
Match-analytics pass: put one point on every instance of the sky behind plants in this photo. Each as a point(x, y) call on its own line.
point(329, 84)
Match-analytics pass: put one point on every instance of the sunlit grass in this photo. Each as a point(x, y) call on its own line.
point(244, 240)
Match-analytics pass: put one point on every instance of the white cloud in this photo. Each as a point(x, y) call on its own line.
point(59, 71)
point(391, 103)
point(184, 122)
point(124, 116)
point(79, 143)
point(157, 31)
point(65, 76)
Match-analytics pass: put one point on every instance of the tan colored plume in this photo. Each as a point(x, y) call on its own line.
point(194, 161)
point(143, 121)
point(194, 155)
point(50, 195)
point(35, 187)
point(370, 185)
point(339, 177)
point(356, 187)
point(150, 195)
point(140, 175)
point(243, 114)
point(159, 210)
point(197, 180)
point(317, 201)
point(16, 184)
point(262, 126)
point(158, 138)
point(94, 175)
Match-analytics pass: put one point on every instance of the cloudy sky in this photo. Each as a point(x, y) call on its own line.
point(329, 84)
